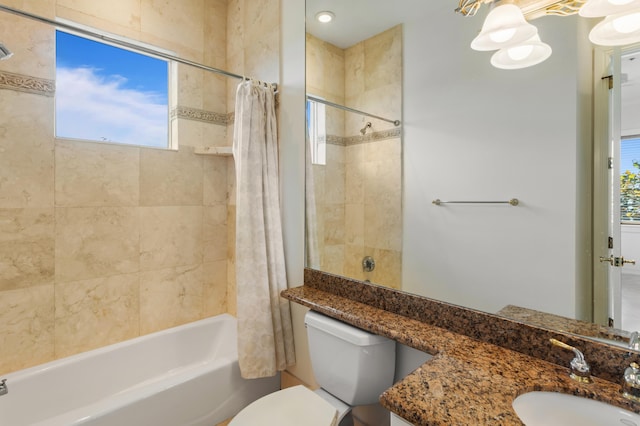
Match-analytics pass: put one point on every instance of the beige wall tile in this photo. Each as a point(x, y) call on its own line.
point(26, 327)
point(26, 248)
point(333, 259)
point(32, 44)
point(94, 313)
point(383, 58)
point(215, 30)
point(170, 236)
point(94, 174)
point(214, 288)
point(216, 180)
point(170, 178)
point(170, 297)
point(95, 242)
point(189, 86)
point(333, 216)
point(26, 144)
point(214, 233)
point(116, 16)
point(174, 23)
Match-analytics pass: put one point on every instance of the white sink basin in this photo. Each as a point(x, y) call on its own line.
point(559, 409)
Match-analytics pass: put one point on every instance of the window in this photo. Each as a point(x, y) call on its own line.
point(316, 126)
point(630, 179)
point(109, 94)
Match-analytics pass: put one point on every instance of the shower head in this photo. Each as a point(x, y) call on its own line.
point(4, 52)
point(364, 129)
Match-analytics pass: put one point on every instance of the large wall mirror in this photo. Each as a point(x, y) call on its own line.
point(469, 132)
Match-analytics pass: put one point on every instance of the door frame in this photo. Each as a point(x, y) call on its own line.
point(600, 208)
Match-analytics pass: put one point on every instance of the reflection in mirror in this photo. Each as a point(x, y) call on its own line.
point(470, 132)
point(354, 170)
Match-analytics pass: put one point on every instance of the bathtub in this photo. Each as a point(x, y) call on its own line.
point(187, 375)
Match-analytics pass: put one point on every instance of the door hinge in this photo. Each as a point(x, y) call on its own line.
point(610, 163)
point(610, 243)
point(610, 79)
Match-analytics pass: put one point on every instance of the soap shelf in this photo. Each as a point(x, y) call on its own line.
point(225, 151)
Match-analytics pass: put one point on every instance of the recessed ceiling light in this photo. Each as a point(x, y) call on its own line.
point(325, 16)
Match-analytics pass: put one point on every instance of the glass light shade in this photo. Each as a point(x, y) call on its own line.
point(526, 54)
point(504, 26)
point(617, 30)
point(598, 8)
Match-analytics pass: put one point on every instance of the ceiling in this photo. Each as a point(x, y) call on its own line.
point(372, 17)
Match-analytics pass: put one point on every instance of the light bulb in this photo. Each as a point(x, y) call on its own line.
point(518, 53)
point(501, 36)
point(325, 16)
point(627, 24)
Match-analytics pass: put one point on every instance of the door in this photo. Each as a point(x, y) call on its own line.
point(617, 189)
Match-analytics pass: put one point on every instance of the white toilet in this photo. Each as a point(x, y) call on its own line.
point(352, 366)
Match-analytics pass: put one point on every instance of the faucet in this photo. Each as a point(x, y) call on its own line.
point(580, 370)
point(631, 383)
point(634, 341)
point(3, 387)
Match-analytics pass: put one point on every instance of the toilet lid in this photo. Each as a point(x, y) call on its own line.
point(293, 406)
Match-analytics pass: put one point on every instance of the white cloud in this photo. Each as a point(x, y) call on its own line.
point(89, 106)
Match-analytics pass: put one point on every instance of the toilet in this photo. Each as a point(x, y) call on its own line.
point(352, 366)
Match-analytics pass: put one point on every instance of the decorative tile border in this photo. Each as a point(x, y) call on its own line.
point(187, 113)
point(25, 83)
point(371, 137)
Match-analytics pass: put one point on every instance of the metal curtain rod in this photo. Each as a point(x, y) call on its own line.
point(346, 108)
point(124, 43)
point(513, 202)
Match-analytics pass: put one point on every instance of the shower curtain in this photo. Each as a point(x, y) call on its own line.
point(265, 336)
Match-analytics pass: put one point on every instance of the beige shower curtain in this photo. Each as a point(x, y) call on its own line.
point(265, 336)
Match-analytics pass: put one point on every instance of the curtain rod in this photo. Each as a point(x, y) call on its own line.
point(124, 43)
point(346, 108)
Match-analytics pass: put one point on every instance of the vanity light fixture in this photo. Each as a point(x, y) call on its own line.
point(525, 54)
point(621, 24)
point(506, 29)
point(504, 26)
point(325, 16)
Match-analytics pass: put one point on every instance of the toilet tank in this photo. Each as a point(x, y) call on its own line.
point(351, 364)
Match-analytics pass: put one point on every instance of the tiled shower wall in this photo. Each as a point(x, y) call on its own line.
point(100, 243)
point(359, 191)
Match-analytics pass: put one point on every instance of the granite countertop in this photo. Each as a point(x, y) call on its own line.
point(467, 382)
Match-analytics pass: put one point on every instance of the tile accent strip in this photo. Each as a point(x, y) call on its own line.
point(221, 119)
point(371, 137)
point(25, 83)
point(607, 361)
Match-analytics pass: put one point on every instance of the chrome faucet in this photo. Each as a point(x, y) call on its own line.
point(634, 341)
point(631, 383)
point(3, 387)
point(580, 370)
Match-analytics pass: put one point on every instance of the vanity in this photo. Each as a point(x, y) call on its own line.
point(481, 362)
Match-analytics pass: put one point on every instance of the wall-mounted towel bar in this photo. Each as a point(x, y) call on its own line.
point(513, 202)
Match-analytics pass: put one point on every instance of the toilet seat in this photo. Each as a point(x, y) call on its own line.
point(288, 407)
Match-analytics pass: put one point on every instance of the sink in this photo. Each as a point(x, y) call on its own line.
point(559, 409)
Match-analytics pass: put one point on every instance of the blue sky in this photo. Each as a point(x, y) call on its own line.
point(107, 93)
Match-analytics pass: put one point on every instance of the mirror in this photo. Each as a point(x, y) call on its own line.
point(470, 132)
point(354, 170)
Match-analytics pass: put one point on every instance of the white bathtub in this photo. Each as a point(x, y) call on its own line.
point(187, 375)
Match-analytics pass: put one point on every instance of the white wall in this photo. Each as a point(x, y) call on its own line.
point(473, 132)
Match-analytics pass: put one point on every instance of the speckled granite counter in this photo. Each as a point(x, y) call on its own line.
point(468, 381)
